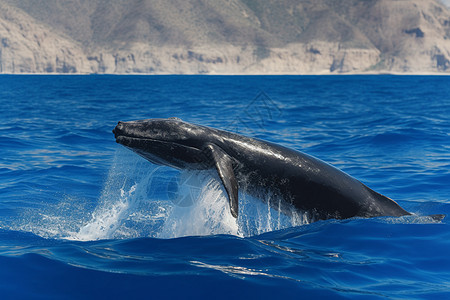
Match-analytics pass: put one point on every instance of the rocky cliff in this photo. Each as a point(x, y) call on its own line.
point(224, 37)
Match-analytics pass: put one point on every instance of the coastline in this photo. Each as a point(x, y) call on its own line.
point(241, 74)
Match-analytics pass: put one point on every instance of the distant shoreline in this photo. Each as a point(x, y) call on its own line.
point(234, 74)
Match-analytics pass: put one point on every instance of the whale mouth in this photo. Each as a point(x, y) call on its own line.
point(138, 142)
point(139, 145)
point(130, 141)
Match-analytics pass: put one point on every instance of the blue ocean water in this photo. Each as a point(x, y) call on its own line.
point(82, 217)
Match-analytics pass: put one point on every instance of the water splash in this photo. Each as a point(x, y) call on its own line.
point(123, 200)
point(140, 199)
point(107, 218)
point(195, 207)
point(209, 212)
point(260, 216)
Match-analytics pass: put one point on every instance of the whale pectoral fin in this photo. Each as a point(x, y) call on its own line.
point(224, 167)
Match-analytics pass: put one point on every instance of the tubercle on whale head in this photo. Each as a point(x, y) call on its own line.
point(116, 131)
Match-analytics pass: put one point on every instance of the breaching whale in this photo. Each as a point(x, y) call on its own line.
point(303, 182)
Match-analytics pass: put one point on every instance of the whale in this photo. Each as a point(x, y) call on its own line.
point(303, 183)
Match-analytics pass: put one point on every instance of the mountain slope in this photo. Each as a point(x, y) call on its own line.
point(27, 46)
point(229, 36)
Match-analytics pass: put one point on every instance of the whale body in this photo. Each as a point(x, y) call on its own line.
point(303, 182)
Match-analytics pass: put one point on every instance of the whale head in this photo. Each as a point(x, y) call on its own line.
point(171, 142)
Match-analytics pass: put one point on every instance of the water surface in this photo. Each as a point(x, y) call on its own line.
point(81, 216)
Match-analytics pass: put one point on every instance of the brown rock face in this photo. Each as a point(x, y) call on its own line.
point(224, 37)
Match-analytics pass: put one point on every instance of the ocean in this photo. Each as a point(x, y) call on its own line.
point(81, 217)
